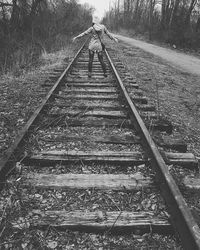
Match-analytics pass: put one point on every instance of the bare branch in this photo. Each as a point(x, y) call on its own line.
point(5, 4)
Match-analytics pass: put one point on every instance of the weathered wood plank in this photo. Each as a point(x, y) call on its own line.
point(88, 97)
point(96, 64)
point(79, 75)
point(90, 122)
point(59, 70)
point(47, 84)
point(88, 106)
point(160, 125)
point(137, 93)
point(132, 85)
point(99, 114)
point(85, 75)
point(82, 63)
point(90, 85)
point(115, 221)
point(122, 123)
point(148, 115)
point(48, 157)
point(141, 99)
point(83, 68)
point(180, 158)
point(96, 81)
point(95, 71)
point(98, 139)
point(111, 156)
point(171, 143)
point(93, 113)
point(192, 182)
point(89, 91)
point(85, 61)
point(85, 72)
point(145, 107)
point(85, 181)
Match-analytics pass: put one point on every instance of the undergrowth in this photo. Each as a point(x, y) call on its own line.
point(20, 57)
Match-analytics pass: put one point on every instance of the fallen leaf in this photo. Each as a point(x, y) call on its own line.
point(24, 245)
point(95, 206)
point(52, 244)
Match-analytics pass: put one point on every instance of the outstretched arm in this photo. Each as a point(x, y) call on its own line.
point(88, 31)
point(109, 35)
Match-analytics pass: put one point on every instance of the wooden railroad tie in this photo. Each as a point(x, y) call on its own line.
point(90, 85)
point(103, 122)
point(175, 144)
point(100, 113)
point(192, 182)
point(86, 105)
point(120, 182)
point(94, 113)
point(88, 97)
point(182, 159)
point(115, 221)
point(88, 91)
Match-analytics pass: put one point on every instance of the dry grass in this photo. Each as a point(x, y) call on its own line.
point(21, 95)
point(176, 92)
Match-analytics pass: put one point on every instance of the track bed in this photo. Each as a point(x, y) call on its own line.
point(90, 175)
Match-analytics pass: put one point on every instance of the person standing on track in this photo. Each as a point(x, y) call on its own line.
point(97, 31)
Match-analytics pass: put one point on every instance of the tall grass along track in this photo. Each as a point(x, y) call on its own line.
point(89, 137)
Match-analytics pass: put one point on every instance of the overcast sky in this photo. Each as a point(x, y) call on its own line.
point(100, 5)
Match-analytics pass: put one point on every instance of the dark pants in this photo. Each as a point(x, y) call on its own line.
point(100, 57)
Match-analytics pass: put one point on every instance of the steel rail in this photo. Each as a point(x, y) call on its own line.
point(181, 217)
point(13, 154)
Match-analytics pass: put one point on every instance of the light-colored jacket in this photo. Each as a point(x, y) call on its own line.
point(95, 31)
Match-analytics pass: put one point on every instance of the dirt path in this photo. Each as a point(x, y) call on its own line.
point(186, 63)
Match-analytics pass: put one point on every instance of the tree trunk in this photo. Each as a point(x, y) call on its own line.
point(128, 13)
point(4, 21)
point(136, 11)
point(118, 10)
point(116, 16)
point(34, 7)
point(150, 19)
point(174, 13)
point(167, 13)
point(188, 14)
point(198, 25)
point(163, 14)
point(14, 15)
point(124, 12)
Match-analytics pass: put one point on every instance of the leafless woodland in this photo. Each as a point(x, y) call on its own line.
point(174, 21)
point(29, 27)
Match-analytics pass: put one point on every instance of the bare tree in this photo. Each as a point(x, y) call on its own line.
point(174, 13)
point(171, 23)
point(29, 26)
point(188, 14)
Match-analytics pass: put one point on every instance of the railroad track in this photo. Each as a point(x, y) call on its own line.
point(90, 164)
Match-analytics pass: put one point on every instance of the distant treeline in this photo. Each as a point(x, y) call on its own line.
point(28, 27)
point(175, 21)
